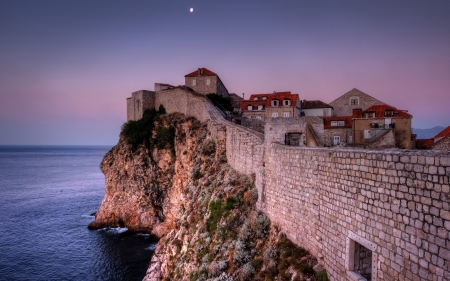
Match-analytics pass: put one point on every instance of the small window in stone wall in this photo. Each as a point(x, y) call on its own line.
point(249, 107)
point(258, 117)
point(275, 114)
point(275, 103)
point(360, 261)
point(341, 123)
point(260, 107)
point(354, 101)
point(287, 102)
point(334, 123)
point(285, 114)
point(193, 82)
point(208, 81)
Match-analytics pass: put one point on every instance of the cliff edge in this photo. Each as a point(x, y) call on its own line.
point(169, 176)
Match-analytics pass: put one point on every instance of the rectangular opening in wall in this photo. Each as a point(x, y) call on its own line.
point(361, 259)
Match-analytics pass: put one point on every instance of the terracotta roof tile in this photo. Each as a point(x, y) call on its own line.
point(424, 143)
point(380, 110)
point(309, 104)
point(443, 133)
point(270, 97)
point(206, 72)
point(347, 119)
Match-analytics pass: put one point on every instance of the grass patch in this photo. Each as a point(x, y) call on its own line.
point(216, 209)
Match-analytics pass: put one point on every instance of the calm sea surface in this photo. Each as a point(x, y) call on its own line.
point(47, 196)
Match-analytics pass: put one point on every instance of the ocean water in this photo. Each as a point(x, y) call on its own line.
point(47, 196)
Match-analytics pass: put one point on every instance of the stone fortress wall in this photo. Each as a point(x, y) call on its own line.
point(396, 203)
point(333, 201)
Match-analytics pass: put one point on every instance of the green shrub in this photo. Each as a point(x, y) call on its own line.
point(165, 137)
point(322, 276)
point(137, 131)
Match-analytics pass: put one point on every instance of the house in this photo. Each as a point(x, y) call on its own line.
point(264, 106)
point(382, 126)
point(337, 130)
point(344, 105)
point(315, 108)
point(439, 142)
point(205, 81)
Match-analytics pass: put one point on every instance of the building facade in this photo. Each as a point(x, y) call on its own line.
point(344, 105)
point(276, 105)
point(205, 81)
point(315, 108)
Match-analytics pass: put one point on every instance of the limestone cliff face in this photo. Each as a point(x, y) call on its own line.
point(203, 211)
point(143, 187)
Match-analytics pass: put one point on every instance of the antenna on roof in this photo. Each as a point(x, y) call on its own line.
point(274, 92)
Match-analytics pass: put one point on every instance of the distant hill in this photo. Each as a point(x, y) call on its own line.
point(428, 133)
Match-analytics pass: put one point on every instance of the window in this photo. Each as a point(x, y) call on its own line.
point(367, 134)
point(249, 107)
point(350, 139)
point(255, 98)
point(389, 113)
point(325, 112)
point(286, 114)
point(275, 114)
point(369, 114)
point(207, 81)
point(360, 260)
point(193, 82)
point(292, 139)
point(264, 98)
point(260, 107)
point(354, 100)
point(341, 123)
point(275, 103)
point(258, 117)
point(334, 123)
point(287, 102)
point(336, 140)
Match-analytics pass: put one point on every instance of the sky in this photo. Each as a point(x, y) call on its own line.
point(67, 67)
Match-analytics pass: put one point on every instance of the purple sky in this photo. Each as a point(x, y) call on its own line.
point(67, 67)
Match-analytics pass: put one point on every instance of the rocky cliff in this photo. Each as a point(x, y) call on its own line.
point(175, 182)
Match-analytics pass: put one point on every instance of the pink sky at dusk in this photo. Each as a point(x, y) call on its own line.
point(67, 67)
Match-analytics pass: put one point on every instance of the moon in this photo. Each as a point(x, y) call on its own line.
point(191, 9)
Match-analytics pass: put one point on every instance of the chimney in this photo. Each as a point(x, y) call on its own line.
point(199, 71)
point(243, 96)
point(357, 113)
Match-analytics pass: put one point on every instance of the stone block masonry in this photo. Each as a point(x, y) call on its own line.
point(395, 203)
point(398, 200)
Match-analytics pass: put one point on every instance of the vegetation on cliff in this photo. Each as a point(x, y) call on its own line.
point(209, 226)
point(142, 131)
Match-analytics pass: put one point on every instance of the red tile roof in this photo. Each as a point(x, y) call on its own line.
point(309, 104)
point(206, 72)
point(347, 119)
point(380, 110)
point(424, 143)
point(270, 97)
point(443, 133)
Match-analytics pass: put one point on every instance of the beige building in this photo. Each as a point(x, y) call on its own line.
point(205, 81)
point(138, 103)
point(344, 105)
point(276, 105)
point(382, 126)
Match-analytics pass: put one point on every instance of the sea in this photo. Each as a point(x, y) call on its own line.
point(48, 195)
